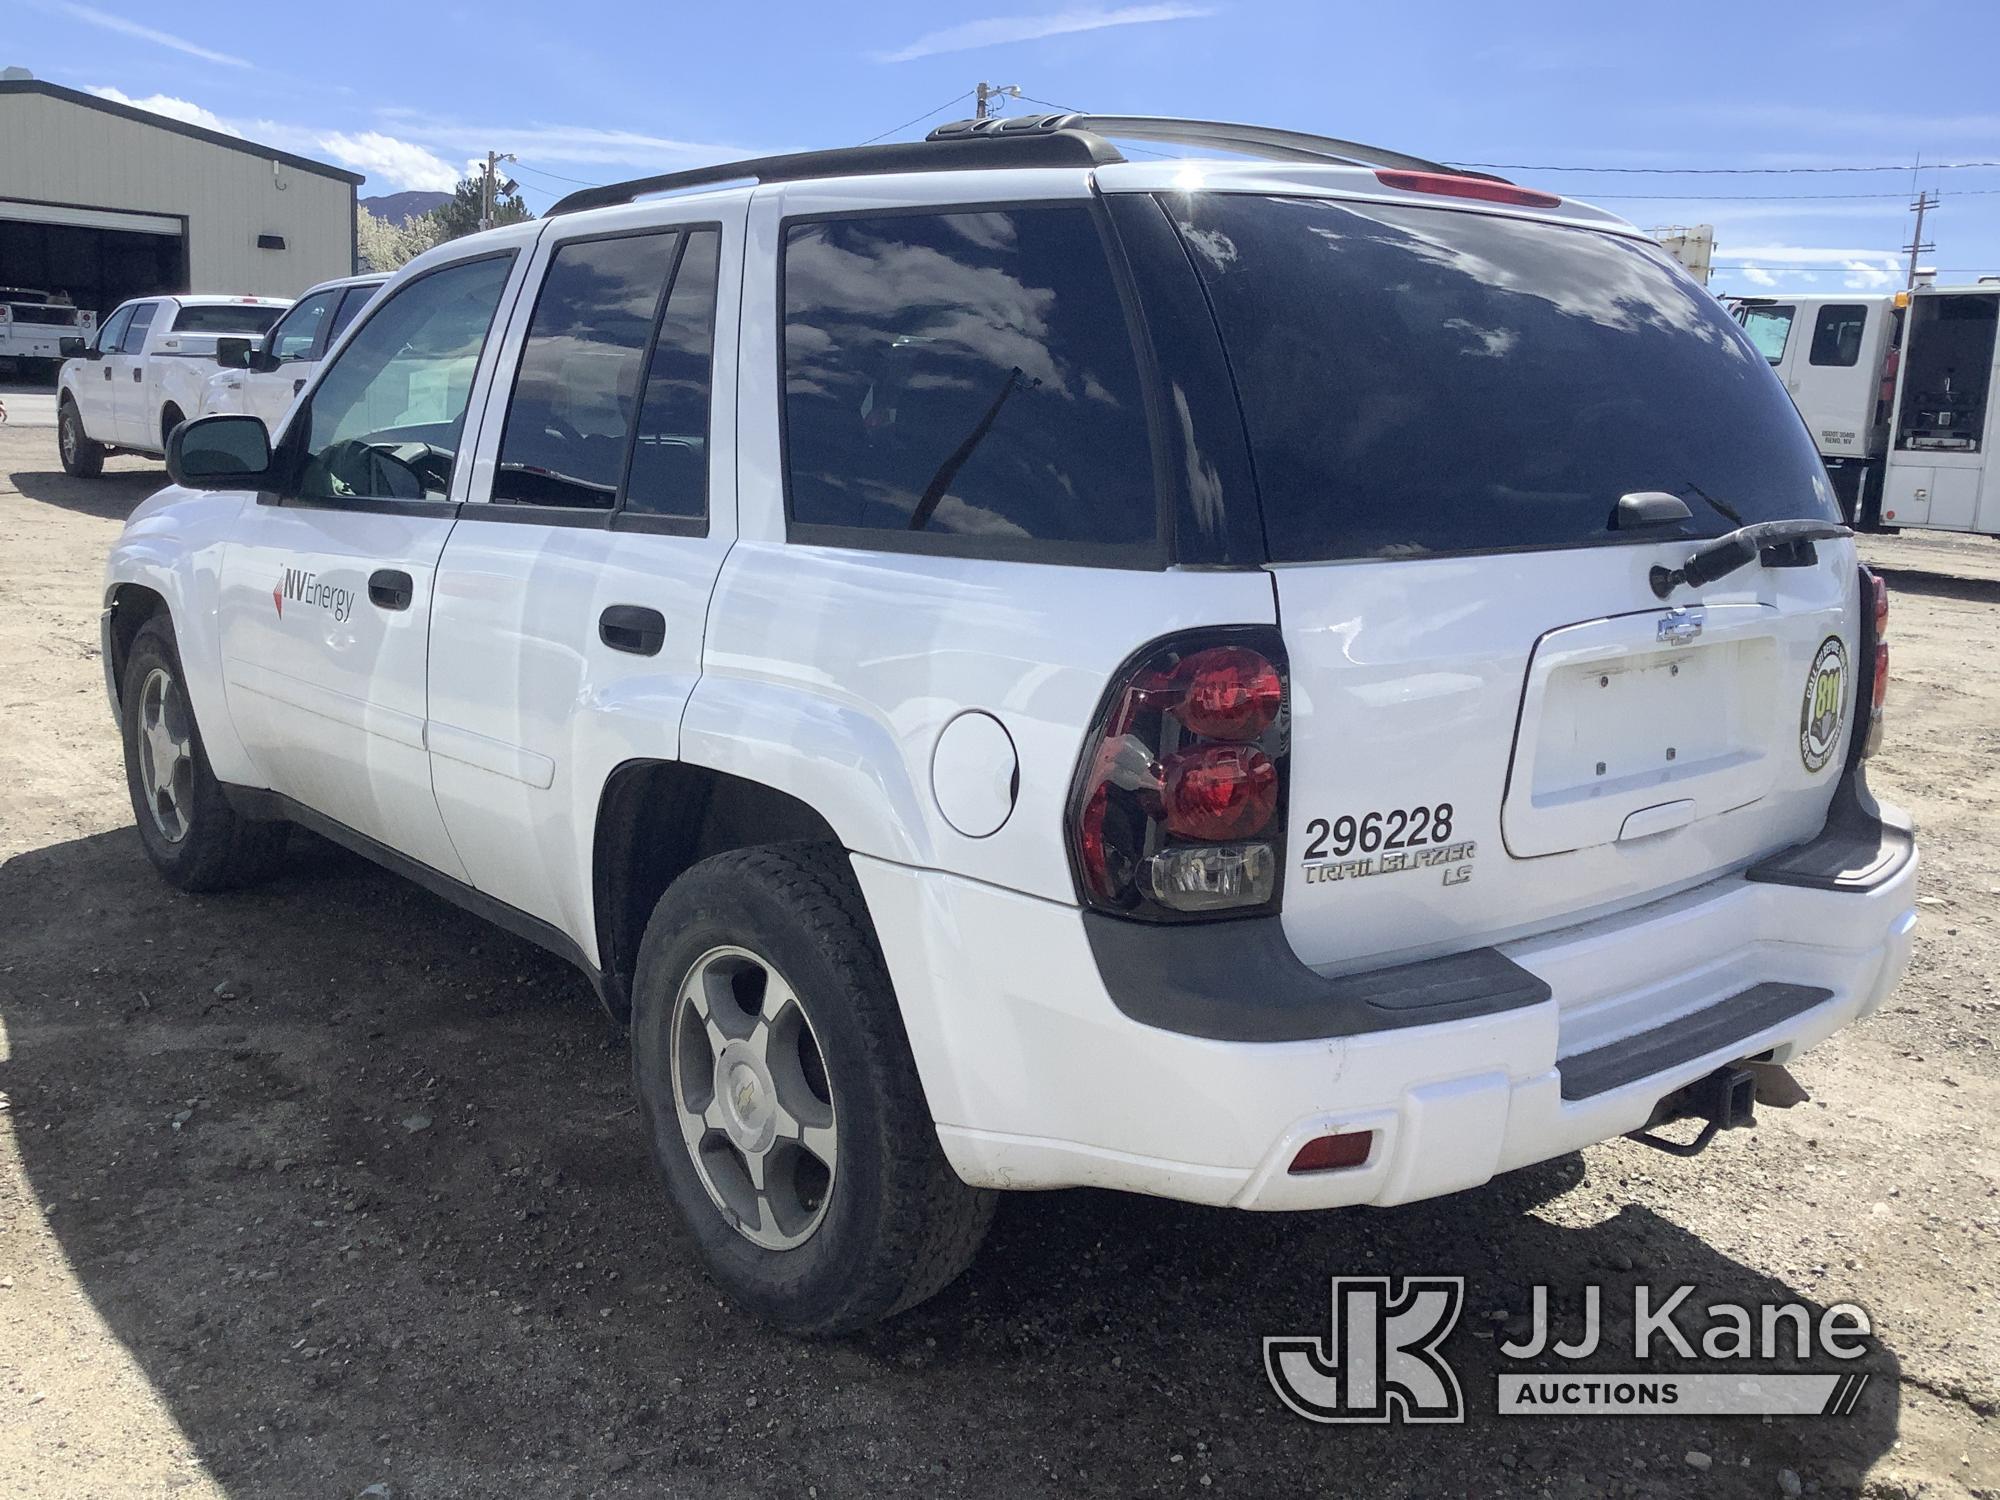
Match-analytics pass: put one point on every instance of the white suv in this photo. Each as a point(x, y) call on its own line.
point(1284, 683)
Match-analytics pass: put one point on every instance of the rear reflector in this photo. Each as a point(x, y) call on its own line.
point(1330, 1153)
point(1452, 186)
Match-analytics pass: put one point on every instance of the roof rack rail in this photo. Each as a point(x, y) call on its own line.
point(1066, 148)
point(1252, 140)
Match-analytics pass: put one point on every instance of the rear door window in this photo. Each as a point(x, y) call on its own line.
point(134, 339)
point(577, 386)
point(1418, 381)
point(966, 382)
point(1770, 329)
point(1837, 334)
point(669, 474)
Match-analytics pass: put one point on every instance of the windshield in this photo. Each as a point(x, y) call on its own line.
point(226, 317)
point(1418, 381)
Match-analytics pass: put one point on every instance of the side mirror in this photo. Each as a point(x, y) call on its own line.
point(220, 453)
point(233, 353)
point(72, 347)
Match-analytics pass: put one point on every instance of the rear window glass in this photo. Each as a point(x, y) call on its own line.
point(1421, 381)
point(226, 317)
point(965, 379)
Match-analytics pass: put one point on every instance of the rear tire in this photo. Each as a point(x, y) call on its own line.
point(170, 418)
point(191, 833)
point(852, 1216)
point(81, 458)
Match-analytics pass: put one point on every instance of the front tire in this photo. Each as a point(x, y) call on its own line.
point(81, 458)
point(781, 1102)
point(191, 833)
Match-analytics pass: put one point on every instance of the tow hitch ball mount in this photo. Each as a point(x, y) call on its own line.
point(1725, 1100)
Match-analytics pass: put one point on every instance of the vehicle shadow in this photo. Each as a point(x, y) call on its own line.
point(357, 1182)
point(113, 495)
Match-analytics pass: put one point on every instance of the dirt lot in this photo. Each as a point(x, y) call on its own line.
point(328, 1185)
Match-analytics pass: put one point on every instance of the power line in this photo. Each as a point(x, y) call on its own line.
point(896, 129)
point(576, 181)
point(1514, 166)
point(1773, 197)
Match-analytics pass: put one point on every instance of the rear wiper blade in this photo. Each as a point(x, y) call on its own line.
point(1738, 549)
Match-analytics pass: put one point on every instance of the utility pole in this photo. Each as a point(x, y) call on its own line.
point(1918, 246)
point(990, 91)
point(486, 181)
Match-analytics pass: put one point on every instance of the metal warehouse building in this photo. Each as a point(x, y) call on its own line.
point(106, 202)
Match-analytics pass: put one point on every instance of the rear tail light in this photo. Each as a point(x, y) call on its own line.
point(1178, 810)
point(1451, 185)
point(1878, 673)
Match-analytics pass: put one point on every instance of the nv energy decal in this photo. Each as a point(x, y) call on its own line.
point(303, 586)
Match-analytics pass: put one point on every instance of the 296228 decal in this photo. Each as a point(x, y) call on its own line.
point(1398, 828)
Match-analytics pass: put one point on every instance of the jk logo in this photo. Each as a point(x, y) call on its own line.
point(1379, 1360)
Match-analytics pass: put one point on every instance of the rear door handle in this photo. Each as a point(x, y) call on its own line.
point(390, 588)
point(138, 374)
point(298, 385)
point(633, 628)
point(107, 372)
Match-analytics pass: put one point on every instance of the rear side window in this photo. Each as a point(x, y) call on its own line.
point(226, 317)
point(1770, 329)
point(964, 382)
point(1419, 381)
point(357, 297)
point(669, 475)
point(1837, 334)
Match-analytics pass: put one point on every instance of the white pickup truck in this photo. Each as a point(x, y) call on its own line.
point(144, 373)
point(34, 324)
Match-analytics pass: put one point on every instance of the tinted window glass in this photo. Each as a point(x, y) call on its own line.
point(571, 416)
point(356, 298)
point(134, 339)
point(1770, 329)
point(293, 337)
point(226, 317)
point(966, 375)
point(386, 418)
point(670, 459)
point(1837, 334)
point(109, 335)
point(1420, 380)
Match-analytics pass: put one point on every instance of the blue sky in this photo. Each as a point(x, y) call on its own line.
point(408, 93)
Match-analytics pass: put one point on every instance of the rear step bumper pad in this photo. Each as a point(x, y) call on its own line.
point(1190, 979)
point(1685, 1038)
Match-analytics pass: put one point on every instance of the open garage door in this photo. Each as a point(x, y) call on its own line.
point(99, 256)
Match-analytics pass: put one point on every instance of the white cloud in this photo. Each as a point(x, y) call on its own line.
point(184, 110)
point(997, 31)
point(1757, 277)
point(1866, 278)
point(402, 163)
point(558, 143)
point(1813, 255)
point(104, 22)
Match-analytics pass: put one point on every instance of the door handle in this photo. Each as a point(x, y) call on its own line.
point(633, 628)
point(298, 385)
point(137, 374)
point(390, 588)
point(107, 372)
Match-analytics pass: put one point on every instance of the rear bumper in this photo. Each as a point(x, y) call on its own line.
point(1037, 1078)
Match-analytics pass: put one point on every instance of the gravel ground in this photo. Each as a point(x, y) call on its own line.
point(328, 1185)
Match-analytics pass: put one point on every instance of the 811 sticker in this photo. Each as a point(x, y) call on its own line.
point(1389, 842)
